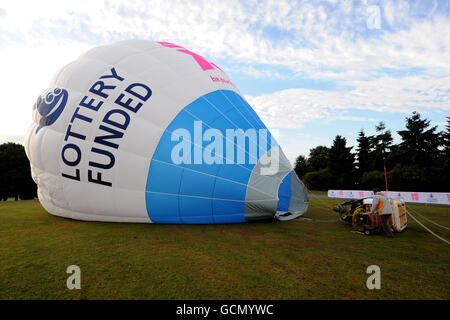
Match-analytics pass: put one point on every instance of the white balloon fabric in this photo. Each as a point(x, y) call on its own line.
point(142, 131)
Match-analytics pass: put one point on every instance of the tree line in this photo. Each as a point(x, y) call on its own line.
point(15, 173)
point(420, 162)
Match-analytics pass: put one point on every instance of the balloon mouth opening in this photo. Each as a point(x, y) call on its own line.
point(293, 198)
point(287, 216)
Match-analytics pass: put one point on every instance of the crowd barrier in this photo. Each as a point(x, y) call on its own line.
point(408, 196)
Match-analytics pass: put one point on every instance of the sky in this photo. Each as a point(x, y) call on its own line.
point(310, 69)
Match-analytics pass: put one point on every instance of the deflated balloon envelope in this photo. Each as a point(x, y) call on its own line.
point(142, 131)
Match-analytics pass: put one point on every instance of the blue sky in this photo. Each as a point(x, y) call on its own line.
point(311, 69)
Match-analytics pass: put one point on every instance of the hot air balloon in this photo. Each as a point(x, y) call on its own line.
point(142, 131)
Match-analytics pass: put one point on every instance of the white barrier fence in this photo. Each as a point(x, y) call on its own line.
point(414, 197)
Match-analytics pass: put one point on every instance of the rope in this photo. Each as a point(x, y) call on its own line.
point(434, 234)
point(437, 224)
point(321, 204)
point(319, 221)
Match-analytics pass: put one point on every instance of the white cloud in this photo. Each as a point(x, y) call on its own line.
point(256, 72)
point(26, 72)
point(382, 95)
point(320, 44)
point(12, 138)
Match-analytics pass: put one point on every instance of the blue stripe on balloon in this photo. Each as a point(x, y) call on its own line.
point(284, 193)
point(164, 207)
point(196, 210)
point(197, 194)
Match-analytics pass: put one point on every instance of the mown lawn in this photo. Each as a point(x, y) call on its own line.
point(264, 260)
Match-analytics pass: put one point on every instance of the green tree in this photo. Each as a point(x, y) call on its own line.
point(319, 180)
point(445, 158)
point(373, 179)
point(318, 158)
point(419, 155)
point(15, 173)
point(341, 163)
point(363, 153)
point(420, 142)
point(446, 140)
point(410, 178)
point(382, 144)
point(301, 166)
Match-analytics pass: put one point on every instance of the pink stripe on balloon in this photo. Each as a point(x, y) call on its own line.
point(204, 64)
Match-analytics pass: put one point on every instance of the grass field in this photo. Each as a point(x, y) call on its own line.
point(262, 260)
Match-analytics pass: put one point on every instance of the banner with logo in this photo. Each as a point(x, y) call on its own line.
point(408, 196)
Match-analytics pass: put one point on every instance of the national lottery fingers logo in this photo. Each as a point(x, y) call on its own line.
point(49, 106)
